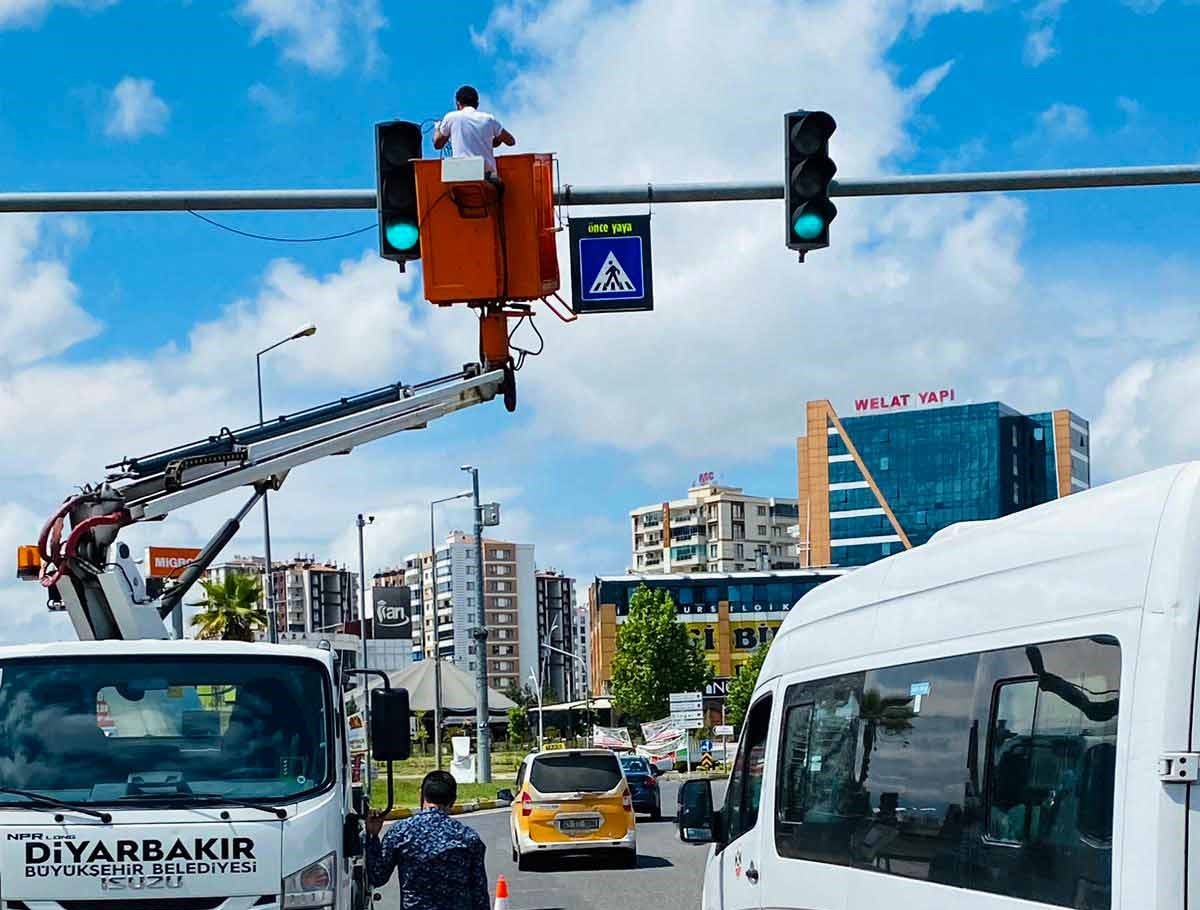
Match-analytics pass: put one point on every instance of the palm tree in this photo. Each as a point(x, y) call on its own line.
point(231, 611)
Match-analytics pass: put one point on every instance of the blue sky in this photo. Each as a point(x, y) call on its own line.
point(132, 332)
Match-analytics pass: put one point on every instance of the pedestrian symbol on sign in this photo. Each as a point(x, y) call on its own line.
point(611, 277)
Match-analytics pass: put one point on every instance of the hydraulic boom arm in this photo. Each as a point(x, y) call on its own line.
point(92, 576)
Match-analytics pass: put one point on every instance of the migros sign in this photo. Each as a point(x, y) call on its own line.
point(168, 562)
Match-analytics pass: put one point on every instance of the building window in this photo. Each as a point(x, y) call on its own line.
point(503, 602)
point(470, 586)
point(503, 634)
point(762, 530)
point(504, 618)
point(1016, 494)
point(1014, 435)
point(739, 531)
point(740, 551)
point(761, 510)
point(739, 510)
point(712, 550)
point(1039, 434)
point(883, 463)
point(886, 549)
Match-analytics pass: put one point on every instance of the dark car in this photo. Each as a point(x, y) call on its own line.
point(642, 785)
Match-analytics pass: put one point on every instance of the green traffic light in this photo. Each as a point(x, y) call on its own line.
point(401, 235)
point(809, 226)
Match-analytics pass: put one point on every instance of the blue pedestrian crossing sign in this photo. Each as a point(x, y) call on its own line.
point(610, 264)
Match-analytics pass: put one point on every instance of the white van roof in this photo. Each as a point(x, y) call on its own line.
point(1105, 536)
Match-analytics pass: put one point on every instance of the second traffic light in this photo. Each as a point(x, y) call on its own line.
point(397, 143)
point(809, 172)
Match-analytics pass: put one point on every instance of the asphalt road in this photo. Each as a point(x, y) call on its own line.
point(669, 874)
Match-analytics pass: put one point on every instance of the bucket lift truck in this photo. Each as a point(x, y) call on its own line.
point(212, 773)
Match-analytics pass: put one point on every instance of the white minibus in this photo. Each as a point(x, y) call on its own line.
point(1003, 718)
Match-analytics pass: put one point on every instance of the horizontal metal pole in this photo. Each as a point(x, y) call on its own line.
point(182, 200)
point(918, 184)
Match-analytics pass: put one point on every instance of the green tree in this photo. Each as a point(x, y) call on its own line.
point(518, 724)
point(230, 611)
point(656, 655)
point(741, 687)
point(521, 695)
point(422, 733)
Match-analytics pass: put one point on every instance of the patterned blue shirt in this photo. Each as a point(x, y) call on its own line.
point(440, 862)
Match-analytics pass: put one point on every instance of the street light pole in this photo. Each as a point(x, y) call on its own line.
point(437, 623)
point(588, 703)
point(537, 685)
point(362, 634)
point(304, 331)
point(483, 734)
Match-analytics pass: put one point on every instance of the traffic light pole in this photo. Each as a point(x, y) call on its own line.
point(568, 194)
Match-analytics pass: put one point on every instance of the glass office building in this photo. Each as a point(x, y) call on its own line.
point(875, 484)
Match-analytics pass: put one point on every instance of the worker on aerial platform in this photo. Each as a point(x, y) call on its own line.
point(472, 133)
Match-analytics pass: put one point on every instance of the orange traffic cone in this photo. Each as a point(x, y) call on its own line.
point(501, 894)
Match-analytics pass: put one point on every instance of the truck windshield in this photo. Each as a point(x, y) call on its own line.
point(109, 729)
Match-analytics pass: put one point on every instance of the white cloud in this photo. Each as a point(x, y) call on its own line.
point(319, 34)
point(277, 107)
point(39, 306)
point(1065, 121)
point(722, 368)
point(18, 13)
point(135, 111)
point(1039, 43)
point(928, 82)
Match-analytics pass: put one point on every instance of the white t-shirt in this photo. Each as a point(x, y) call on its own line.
point(471, 133)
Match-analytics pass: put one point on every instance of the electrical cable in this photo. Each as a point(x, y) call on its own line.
point(252, 236)
point(522, 353)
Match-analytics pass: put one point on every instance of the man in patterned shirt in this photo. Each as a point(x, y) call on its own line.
point(439, 860)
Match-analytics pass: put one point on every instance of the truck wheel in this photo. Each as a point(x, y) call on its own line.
point(630, 859)
point(524, 861)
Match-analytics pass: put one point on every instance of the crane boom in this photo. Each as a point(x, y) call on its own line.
point(92, 576)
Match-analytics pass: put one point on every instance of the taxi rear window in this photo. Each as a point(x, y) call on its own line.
point(575, 773)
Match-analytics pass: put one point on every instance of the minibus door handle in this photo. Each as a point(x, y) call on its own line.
point(752, 874)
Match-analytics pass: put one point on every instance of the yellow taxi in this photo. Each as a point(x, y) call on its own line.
point(572, 801)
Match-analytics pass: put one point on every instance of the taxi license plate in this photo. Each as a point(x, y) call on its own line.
point(578, 824)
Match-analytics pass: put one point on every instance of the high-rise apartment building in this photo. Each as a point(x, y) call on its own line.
point(581, 680)
point(444, 604)
point(887, 479)
point(715, 529)
point(555, 623)
point(313, 597)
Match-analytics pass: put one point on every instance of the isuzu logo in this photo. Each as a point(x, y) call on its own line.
point(140, 882)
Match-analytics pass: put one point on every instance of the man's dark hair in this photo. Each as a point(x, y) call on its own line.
point(467, 96)
point(439, 789)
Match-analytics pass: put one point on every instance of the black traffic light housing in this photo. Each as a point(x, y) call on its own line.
point(809, 171)
point(397, 143)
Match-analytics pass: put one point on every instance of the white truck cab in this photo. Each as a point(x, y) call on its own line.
point(1003, 718)
point(215, 772)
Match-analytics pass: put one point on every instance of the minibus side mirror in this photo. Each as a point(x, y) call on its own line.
point(505, 795)
point(697, 820)
point(391, 738)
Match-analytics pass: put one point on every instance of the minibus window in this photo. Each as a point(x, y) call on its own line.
point(745, 784)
